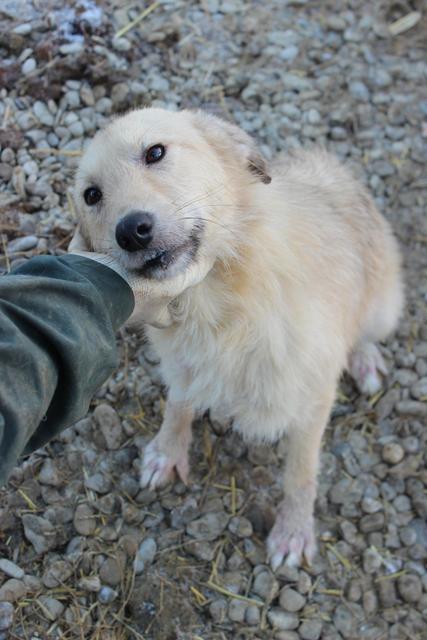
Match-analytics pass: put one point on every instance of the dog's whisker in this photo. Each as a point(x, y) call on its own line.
point(198, 198)
point(224, 226)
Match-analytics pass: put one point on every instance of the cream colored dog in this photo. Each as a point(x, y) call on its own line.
point(290, 276)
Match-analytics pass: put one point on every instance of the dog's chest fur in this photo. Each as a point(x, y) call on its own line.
point(241, 365)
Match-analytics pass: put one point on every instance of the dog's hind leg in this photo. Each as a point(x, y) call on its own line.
point(168, 451)
point(366, 364)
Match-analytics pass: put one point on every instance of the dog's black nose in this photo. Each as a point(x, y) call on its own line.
point(135, 231)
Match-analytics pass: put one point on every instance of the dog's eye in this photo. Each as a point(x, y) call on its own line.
point(154, 153)
point(92, 196)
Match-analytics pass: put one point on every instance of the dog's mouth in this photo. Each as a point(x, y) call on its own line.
point(161, 258)
point(162, 262)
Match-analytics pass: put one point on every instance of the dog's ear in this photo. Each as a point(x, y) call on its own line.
point(228, 137)
point(79, 242)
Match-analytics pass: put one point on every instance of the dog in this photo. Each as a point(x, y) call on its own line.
point(296, 277)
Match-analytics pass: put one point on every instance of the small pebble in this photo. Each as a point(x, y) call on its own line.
point(71, 48)
point(344, 621)
point(43, 114)
point(372, 522)
point(218, 610)
point(370, 602)
point(76, 129)
point(291, 600)
point(419, 389)
point(109, 424)
point(370, 505)
point(392, 453)
point(266, 586)
point(5, 172)
point(51, 606)
point(99, 483)
point(90, 583)
point(387, 593)
point(6, 615)
point(310, 629)
point(104, 105)
point(29, 66)
point(402, 503)
point(241, 527)
point(26, 243)
point(237, 610)
point(412, 408)
point(84, 520)
point(208, 527)
point(145, 554)
point(107, 595)
point(121, 44)
point(252, 615)
point(281, 620)
point(371, 560)
point(354, 592)
point(22, 29)
point(12, 590)
point(11, 569)
point(411, 444)
point(289, 53)
point(386, 404)
point(359, 91)
point(409, 587)
point(57, 574)
point(408, 535)
point(336, 23)
point(49, 473)
point(111, 572)
point(40, 532)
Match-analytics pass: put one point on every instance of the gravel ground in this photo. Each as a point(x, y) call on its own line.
point(84, 552)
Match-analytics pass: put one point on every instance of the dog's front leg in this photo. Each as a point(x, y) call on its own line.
point(168, 451)
point(292, 535)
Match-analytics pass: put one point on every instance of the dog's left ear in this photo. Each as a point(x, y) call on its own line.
point(225, 136)
point(258, 166)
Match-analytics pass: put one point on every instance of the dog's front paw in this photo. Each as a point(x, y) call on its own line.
point(158, 465)
point(292, 536)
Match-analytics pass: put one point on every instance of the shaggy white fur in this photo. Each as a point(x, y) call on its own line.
point(298, 276)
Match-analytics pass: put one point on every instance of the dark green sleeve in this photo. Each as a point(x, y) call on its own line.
point(58, 318)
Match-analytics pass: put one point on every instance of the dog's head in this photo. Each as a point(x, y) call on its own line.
point(156, 189)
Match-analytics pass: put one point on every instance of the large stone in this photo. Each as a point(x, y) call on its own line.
point(49, 474)
point(236, 610)
point(57, 574)
point(11, 569)
point(290, 600)
point(266, 586)
point(310, 629)
point(209, 527)
point(12, 590)
point(409, 587)
point(109, 424)
point(84, 520)
point(111, 572)
point(281, 620)
point(6, 615)
point(51, 606)
point(40, 532)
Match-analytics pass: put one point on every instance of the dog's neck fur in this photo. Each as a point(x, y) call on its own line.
point(222, 297)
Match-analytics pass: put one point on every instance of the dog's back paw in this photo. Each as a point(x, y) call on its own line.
point(366, 367)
